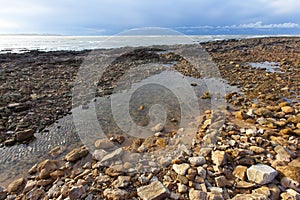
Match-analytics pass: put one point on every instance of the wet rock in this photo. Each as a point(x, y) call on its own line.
point(46, 167)
point(77, 154)
point(24, 135)
point(218, 157)
point(181, 169)
point(16, 186)
point(261, 174)
point(154, 191)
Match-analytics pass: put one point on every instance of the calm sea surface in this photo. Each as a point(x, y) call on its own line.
point(18, 44)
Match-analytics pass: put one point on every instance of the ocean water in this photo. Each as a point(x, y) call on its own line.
point(23, 43)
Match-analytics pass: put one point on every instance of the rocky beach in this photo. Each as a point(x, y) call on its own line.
point(249, 151)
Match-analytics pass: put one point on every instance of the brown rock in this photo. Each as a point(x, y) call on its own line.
point(244, 185)
point(46, 167)
point(24, 135)
point(77, 154)
point(115, 194)
point(291, 172)
point(16, 186)
point(287, 109)
point(240, 172)
point(263, 112)
point(219, 157)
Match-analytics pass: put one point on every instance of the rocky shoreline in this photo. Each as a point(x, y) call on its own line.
point(256, 155)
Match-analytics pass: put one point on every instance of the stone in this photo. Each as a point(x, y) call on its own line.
point(249, 197)
point(3, 193)
point(287, 109)
point(46, 167)
point(262, 190)
point(154, 191)
point(261, 174)
point(263, 112)
point(104, 144)
point(291, 172)
point(29, 185)
point(182, 179)
point(257, 149)
point(218, 157)
point(115, 194)
point(16, 186)
point(113, 156)
point(99, 154)
point(196, 161)
point(240, 172)
point(221, 181)
point(24, 135)
point(76, 192)
point(122, 182)
point(77, 154)
point(181, 169)
point(182, 188)
point(282, 153)
point(290, 194)
point(201, 172)
point(196, 194)
point(275, 191)
point(158, 128)
point(244, 185)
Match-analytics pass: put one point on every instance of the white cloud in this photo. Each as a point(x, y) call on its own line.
point(260, 25)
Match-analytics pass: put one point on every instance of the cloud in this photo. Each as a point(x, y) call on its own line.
point(112, 16)
point(260, 25)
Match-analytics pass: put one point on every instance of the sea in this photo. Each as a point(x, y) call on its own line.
point(24, 43)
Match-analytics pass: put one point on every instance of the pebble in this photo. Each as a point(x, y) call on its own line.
point(181, 169)
point(196, 161)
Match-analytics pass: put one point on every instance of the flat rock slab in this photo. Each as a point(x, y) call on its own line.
point(154, 191)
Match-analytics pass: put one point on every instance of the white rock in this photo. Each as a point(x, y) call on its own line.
point(261, 174)
point(181, 168)
point(182, 188)
point(158, 128)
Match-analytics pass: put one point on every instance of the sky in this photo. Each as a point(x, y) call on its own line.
point(106, 17)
